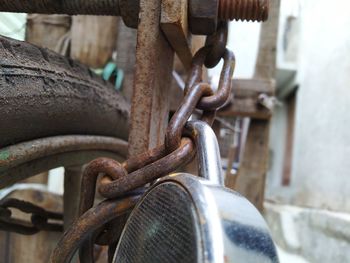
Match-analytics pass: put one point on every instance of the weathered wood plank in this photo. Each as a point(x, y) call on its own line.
point(126, 57)
point(252, 172)
point(39, 27)
point(93, 39)
point(245, 99)
point(251, 178)
point(71, 196)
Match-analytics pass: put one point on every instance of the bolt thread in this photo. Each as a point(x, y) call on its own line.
point(249, 10)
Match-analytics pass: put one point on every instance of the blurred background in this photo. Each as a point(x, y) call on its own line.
point(307, 191)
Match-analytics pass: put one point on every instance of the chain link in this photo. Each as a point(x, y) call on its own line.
point(198, 95)
point(39, 219)
point(217, 43)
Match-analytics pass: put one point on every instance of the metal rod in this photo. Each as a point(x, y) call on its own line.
point(154, 63)
point(69, 7)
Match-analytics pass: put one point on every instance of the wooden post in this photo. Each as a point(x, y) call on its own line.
point(50, 31)
point(253, 169)
point(154, 63)
point(72, 182)
point(94, 39)
point(126, 48)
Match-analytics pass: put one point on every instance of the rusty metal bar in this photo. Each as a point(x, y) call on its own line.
point(69, 7)
point(128, 9)
point(203, 14)
point(154, 62)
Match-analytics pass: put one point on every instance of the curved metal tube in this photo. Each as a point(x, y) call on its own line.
point(24, 160)
point(87, 224)
point(25, 152)
point(208, 152)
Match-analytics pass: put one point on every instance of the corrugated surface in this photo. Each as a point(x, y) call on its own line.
point(13, 25)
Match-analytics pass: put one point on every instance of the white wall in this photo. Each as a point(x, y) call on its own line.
point(321, 165)
point(321, 170)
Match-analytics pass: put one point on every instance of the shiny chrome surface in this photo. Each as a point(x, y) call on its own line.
point(226, 227)
point(208, 152)
point(232, 229)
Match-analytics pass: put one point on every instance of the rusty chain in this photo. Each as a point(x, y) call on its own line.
point(217, 43)
point(121, 184)
point(39, 219)
point(143, 169)
point(125, 180)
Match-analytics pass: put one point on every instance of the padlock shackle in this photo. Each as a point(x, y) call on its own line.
point(208, 153)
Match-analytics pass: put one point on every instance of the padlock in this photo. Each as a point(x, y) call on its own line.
point(189, 219)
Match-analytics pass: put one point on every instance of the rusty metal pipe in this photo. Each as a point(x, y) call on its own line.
point(87, 224)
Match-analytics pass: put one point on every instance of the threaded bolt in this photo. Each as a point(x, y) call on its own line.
point(249, 10)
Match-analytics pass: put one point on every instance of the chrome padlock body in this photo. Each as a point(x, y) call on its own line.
point(184, 218)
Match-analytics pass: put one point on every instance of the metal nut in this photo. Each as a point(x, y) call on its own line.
point(203, 16)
